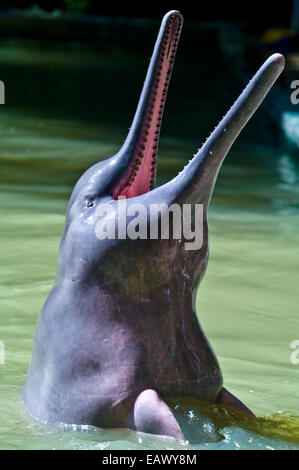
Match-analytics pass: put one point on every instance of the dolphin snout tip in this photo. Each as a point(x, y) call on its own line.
point(271, 69)
point(277, 59)
point(174, 13)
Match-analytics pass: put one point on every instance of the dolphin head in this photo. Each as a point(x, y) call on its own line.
point(139, 264)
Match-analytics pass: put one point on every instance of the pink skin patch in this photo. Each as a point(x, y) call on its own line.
point(139, 177)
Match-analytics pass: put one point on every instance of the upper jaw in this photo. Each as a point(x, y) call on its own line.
point(197, 180)
point(195, 183)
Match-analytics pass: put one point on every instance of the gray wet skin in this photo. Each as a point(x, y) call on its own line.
point(118, 337)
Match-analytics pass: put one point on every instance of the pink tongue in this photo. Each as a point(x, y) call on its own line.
point(139, 178)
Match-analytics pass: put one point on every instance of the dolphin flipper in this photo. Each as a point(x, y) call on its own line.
point(153, 416)
point(227, 399)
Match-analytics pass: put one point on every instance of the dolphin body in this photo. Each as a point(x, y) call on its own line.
point(118, 337)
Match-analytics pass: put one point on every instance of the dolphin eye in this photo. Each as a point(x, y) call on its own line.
point(90, 204)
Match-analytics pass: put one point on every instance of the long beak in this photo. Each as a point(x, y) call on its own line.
point(136, 160)
point(196, 182)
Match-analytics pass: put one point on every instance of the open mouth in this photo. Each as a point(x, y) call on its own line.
point(140, 174)
point(136, 167)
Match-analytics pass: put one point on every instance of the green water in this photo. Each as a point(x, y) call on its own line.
point(50, 131)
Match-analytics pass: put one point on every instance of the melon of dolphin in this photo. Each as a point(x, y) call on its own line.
point(118, 337)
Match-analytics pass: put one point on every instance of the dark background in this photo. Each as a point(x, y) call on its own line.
point(61, 55)
point(266, 13)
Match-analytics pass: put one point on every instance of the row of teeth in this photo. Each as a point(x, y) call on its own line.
point(145, 132)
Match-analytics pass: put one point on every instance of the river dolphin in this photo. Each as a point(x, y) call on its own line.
point(118, 338)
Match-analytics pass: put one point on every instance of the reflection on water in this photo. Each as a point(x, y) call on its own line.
point(247, 302)
point(287, 171)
